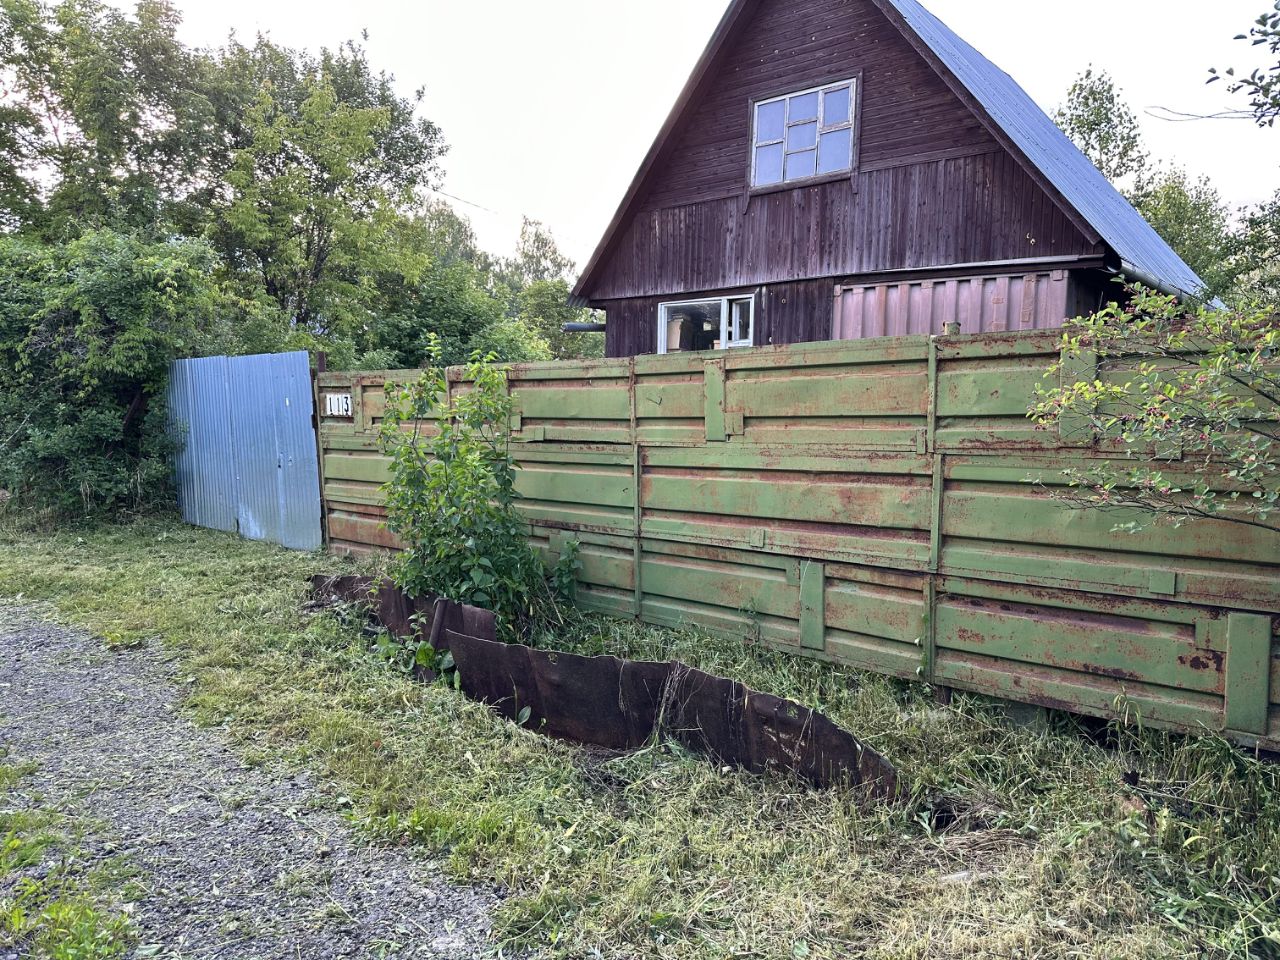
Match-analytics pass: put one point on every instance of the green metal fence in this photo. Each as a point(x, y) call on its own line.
point(881, 503)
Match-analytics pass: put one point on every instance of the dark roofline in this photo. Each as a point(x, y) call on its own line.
point(700, 72)
point(893, 12)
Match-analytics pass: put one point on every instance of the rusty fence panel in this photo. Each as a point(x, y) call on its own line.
point(881, 503)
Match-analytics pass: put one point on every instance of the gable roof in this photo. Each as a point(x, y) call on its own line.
point(1053, 153)
point(1039, 144)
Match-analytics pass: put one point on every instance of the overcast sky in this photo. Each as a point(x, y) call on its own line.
point(550, 105)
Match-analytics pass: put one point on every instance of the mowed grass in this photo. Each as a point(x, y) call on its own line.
point(1012, 841)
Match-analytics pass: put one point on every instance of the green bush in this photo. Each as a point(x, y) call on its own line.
point(451, 498)
point(1199, 388)
point(87, 332)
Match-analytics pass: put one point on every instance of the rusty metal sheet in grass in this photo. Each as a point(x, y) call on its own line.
point(623, 704)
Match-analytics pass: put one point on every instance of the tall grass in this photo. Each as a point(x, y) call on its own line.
point(1054, 840)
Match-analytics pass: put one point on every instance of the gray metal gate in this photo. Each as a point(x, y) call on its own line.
point(248, 458)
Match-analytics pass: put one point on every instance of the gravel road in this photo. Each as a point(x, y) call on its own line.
point(235, 861)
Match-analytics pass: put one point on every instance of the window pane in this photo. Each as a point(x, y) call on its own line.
point(801, 164)
point(770, 119)
point(835, 151)
point(804, 107)
point(740, 321)
point(690, 326)
point(768, 165)
point(803, 137)
point(835, 107)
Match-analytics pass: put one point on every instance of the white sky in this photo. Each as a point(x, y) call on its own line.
point(550, 105)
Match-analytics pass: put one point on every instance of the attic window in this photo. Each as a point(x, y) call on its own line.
point(803, 136)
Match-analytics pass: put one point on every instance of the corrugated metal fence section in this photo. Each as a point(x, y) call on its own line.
point(1036, 301)
point(248, 461)
point(882, 503)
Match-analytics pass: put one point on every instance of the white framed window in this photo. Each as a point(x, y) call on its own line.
point(803, 135)
point(717, 323)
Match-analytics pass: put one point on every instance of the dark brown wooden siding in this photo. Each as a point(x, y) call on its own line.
point(965, 210)
point(797, 312)
point(934, 187)
point(908, 113)
point(631, 327)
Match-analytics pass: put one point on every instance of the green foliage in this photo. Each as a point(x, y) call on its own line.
point(105, 104)
point(544, 306)
point(537, 258)
point(1262, 85)
point(512, 341)
point(1201, 389)
point(451, 498)
point(1103, 126)
point(314, 210)
point(1258, 254)
point(1234, 256)
point(87, 331)
point(453, 306)
point(163, 201)
point(1065, 842)
point(1193, 219)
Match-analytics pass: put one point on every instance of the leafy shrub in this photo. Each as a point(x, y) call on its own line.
point(1201, 388)
point(87, 331)
point(451, 498)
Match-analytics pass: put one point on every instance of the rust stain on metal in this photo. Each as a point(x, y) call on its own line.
point(906, 461)
point(624, 704)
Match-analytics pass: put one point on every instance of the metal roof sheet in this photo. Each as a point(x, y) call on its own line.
point(1052, 152)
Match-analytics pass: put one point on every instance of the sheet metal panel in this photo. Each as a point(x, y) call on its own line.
point(883, 503)
point(249, 460)
point(199, 398)
point(1036, 301)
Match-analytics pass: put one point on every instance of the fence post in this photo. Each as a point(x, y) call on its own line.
point(1248, 680)
point(713, 392)
point(322, 365)
point(813, 605)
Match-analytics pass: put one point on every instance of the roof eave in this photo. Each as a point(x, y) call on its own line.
point(700, 73)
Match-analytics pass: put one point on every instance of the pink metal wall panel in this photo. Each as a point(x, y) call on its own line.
point(991, 304)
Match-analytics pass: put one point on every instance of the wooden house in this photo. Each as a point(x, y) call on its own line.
point(838, 169)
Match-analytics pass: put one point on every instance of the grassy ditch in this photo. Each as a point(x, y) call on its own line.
point(1015, 841)
point(55, 903)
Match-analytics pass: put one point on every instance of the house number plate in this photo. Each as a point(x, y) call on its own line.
point(337, 405)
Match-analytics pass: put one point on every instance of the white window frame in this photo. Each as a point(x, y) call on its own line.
point(726, 315)
point(823, 127)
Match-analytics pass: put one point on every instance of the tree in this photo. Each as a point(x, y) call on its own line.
point(310, 215)
point(1103, 126)
point(512, 340)
point(1262, 85)
point(1258, 253)
point(1192, 218)
point(1191, 400)
point(537, 258)
point(87, 332)
point(544, 306)
point(1188, 214)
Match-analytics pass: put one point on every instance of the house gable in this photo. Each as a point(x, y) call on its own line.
point(934, 184)
point(907, 112)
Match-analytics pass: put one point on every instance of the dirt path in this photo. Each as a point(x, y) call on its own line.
point(235, 862)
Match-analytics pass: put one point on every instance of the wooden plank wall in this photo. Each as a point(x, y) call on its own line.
point(880, 503)
point(933, 186)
